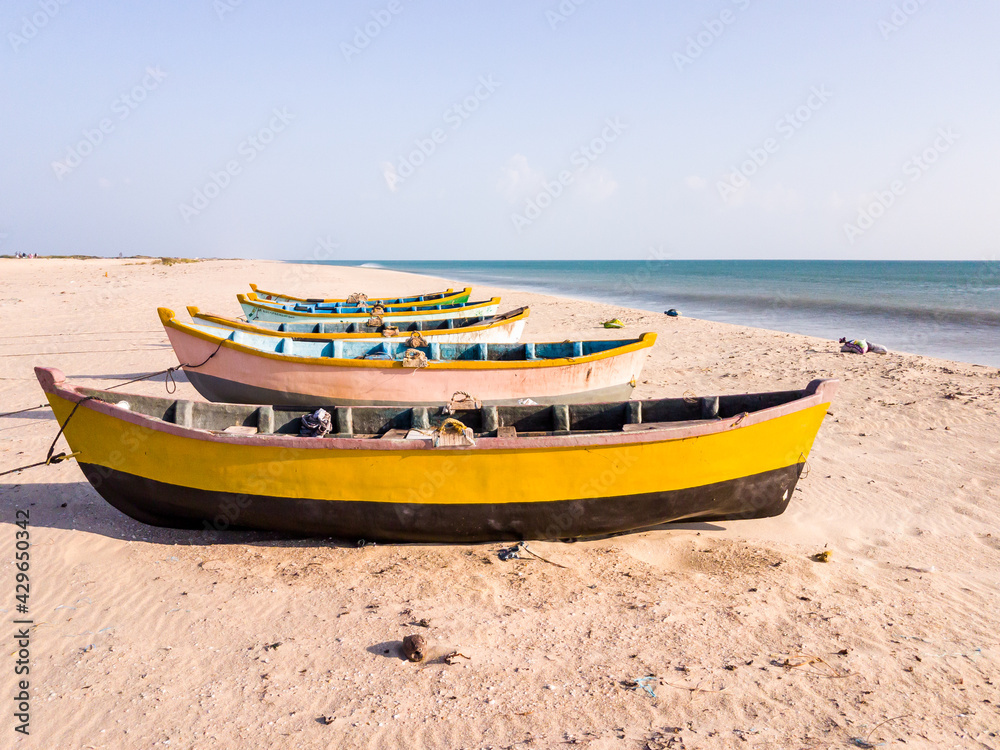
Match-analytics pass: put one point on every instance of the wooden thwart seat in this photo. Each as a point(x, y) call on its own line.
point(393, 435)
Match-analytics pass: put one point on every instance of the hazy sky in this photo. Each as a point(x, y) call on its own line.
point(416, 129)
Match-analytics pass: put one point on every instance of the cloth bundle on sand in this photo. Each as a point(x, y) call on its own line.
point(860, 346)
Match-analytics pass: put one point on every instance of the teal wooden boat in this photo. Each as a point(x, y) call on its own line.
point(257, 310)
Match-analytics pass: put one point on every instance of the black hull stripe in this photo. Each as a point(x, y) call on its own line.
point(159, 504)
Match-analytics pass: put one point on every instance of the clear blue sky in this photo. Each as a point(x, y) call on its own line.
point(413, 129)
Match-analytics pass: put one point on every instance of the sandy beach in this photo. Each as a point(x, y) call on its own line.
point(146, 637)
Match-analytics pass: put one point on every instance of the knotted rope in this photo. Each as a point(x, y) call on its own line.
point(460, 400)
point(414, 358)
point(169, 380)
point(451, 427)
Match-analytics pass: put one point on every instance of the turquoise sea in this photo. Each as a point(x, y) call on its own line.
point(942, 309)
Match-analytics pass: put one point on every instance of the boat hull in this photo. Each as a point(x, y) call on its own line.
point(176, 506)
point(499, 332)
point(255, 311)
point(500, 488)
point(358, 389)
point(449, 296)
point(225, 371)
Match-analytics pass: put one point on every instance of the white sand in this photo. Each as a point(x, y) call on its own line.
point(146, 635)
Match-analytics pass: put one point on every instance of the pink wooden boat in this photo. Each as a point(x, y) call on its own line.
point(246, 368)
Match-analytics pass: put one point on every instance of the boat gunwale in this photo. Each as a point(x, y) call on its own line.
point(449, 293)
point(511, 317)
point(817, 392)
point(251, 300)
point(645, 341)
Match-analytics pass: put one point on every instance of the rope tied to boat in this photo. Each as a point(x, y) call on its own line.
point(389, 330)
point(453, 433)
point(358, 298)
point(54, 459)
point(169, 372)
point(461, 400)
point(416, 340)
point(58, 457)
point(414, 358)
point(451, 426)
point(374, 321)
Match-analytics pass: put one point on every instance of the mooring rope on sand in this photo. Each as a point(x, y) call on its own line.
point(168, 381)
point(21, 411)
point(49, 458)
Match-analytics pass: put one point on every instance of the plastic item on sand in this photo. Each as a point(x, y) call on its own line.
point(861, 346)
point(613, 323)
point(673, 312)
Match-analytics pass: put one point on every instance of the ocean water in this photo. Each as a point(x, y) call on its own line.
point(942, 309)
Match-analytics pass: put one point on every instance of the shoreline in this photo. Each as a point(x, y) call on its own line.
point(170, 634)
point(901, 322)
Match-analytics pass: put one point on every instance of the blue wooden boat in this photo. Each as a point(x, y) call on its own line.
point(503, 328)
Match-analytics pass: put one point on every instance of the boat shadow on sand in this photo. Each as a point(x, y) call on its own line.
point(76, 506)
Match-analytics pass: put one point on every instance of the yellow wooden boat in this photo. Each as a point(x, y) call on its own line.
point(447, 297)
point(413, 474)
